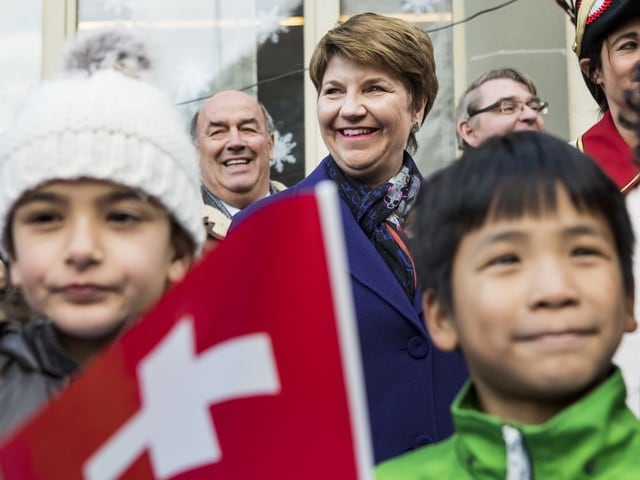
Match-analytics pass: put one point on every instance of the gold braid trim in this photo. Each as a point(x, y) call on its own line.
point(581, 24)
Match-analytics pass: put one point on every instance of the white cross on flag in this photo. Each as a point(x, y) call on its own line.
point(247, 369)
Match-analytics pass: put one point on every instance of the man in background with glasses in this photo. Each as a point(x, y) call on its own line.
point(498, 102)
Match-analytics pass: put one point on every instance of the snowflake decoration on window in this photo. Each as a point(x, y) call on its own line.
point(419, 6)
point(118, 6)
point(193, 81)
point(284, 145)
point(270, 27)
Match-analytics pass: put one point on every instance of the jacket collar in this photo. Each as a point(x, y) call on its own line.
point(603, 142)
point(52, 358)
point(591, 429)
point(365, 265)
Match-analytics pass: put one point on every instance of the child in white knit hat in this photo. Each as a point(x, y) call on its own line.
point(100, 213)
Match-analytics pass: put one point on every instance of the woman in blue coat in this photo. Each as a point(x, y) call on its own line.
point(376, 82)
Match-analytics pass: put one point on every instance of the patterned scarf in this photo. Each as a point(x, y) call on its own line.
point(381, 213)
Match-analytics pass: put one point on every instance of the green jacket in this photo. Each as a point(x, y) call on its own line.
point(596, 437)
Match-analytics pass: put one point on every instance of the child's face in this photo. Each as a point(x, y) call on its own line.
point(538, 310)
point(92, 256)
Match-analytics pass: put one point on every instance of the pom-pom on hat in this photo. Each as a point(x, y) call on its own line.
point(100, 119)
point(595, 19)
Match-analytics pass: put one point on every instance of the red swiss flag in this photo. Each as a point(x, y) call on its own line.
point(247, 369)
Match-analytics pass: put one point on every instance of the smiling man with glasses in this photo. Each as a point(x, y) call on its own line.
point(498, 102)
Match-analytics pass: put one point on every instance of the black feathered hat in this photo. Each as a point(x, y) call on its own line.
point(595, 19)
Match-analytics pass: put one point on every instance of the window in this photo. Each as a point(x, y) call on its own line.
point(207, 46)
point(20, 53)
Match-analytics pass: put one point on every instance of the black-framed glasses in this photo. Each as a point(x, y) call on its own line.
point(509, 106)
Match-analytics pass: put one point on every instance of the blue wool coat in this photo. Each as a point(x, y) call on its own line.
point(409, 383)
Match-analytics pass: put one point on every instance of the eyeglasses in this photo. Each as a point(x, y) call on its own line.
point(509, 106)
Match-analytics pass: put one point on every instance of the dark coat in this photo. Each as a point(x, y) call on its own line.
point(410, 384)
point(33, 368)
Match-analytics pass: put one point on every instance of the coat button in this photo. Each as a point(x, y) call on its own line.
point(418, 347)
point(422, 440)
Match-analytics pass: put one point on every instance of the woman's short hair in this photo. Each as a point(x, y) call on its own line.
point(386, 43)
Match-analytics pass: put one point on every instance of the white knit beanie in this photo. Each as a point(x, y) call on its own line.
point(101, 120)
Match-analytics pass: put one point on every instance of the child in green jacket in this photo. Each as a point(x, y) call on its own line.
point(524, 249)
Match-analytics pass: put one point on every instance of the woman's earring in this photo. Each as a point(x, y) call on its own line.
point(415, 127)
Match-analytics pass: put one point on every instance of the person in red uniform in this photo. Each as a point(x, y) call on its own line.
point(608, 48)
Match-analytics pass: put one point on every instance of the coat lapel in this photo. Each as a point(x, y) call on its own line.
point(367, 268)
point(365, 263)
